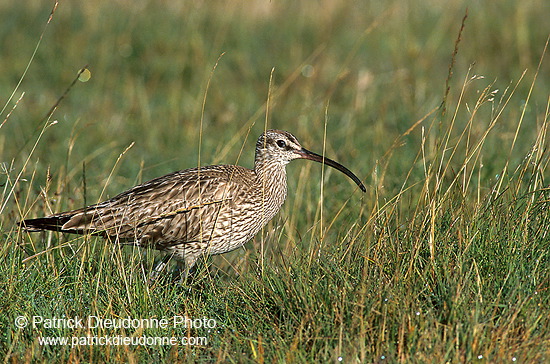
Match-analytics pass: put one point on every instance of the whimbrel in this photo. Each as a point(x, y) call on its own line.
point(198, 211)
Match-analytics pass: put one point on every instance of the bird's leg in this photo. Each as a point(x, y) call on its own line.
point(186, 268)
point(183, 271)
point(159, 268)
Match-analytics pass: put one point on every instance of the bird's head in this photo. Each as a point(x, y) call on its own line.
point(281, 147)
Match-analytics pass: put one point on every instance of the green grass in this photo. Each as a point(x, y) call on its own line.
point(444, 259)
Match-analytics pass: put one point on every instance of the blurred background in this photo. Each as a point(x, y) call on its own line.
point(368, 69)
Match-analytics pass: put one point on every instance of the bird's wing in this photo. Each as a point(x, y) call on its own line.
point(180, 207)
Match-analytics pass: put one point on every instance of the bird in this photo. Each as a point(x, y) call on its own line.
point(195, 212)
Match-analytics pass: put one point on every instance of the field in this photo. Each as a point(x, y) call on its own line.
point(440, 108)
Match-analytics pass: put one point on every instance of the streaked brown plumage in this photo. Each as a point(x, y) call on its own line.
point(207, 210)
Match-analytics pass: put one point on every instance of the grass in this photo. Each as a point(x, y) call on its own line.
point(444, 259)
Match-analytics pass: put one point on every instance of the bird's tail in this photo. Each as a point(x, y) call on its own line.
point(54, 223)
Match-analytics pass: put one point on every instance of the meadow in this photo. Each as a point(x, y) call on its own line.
point(440, 108)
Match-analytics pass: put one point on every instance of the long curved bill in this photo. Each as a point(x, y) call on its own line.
point(306, 154)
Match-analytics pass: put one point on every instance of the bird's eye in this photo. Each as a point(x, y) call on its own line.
point(281, 143)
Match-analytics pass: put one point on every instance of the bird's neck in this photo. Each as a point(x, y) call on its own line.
point(272, 180)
